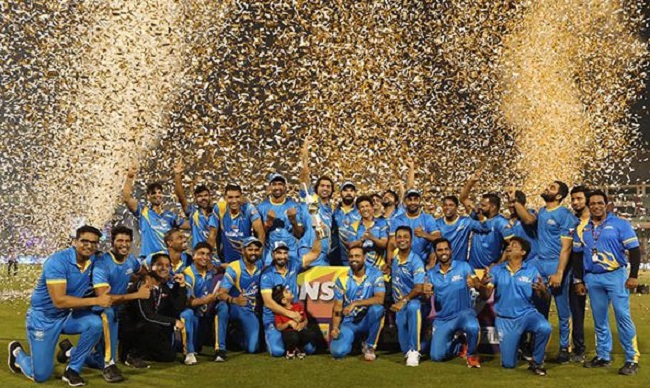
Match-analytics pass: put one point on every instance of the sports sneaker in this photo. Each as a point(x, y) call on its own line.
point(368, 352)
point(112, 374)
point(563, 357)
point(412, 358)
point(473, 362)
point(629, 369)
point(578, 357)
point(290, 355)
point(135, 362)
point(190, 359)
point(220, 356)
point(14, 347)
point(301, 355)
point(61, 355)
point(537, 369)
point(72, 378)
point(597, 363)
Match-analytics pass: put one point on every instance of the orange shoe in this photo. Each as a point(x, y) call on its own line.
point(473, 362)
point(463, 350)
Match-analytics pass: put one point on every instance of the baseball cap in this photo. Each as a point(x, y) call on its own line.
point(411, 192)
point(280, 245)
point(277, 176)
point(346, 184)
point(251, 240)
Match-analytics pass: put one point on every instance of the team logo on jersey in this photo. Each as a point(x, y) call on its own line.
point(525, 279)
point(608, 227)
point(39, 335)
point(551, 222)
point(129, 271)
point(456, 278)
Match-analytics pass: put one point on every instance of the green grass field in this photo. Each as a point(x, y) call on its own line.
point(322, 371)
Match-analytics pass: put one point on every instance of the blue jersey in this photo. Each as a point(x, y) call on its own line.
point(552, 226)
point(450, 292)
point(399, 210)
point(153, 227)
point(61, 268)
point(199, 223)
point(379, 228)
point(348, 289)
point(406, 274)
point(527, 232)
point(458, 233)
point(487, 247)
point(342, 220)
point(514, 290)
point(108, 271)
point(198, 284)
point(233, 229)
point(237, 280)
point(420, 245)
point(604, 246)
point(271, 277)
point(282, 229)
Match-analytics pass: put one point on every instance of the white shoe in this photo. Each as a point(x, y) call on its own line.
point(190, 359)
point(368, 352)
point(412, 358)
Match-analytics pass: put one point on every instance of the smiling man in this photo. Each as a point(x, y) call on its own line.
point(601, 247)
point(198, 213)
point(58, 307)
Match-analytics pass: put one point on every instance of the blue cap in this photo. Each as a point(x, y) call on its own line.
point(346, 184)
point(280, 245)
point(411, 192)
point(276, 176)
point(251, 240)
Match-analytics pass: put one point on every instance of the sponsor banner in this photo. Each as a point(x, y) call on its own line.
point(317, 293)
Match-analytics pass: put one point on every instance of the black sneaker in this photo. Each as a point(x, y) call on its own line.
point(220, 356)
point(578, 357)
point(11, 360)
point(112, 374)
point(537, 369)
point(629, 369)
point(72, 378)
point(597, 363)
point(136, 362)
point(64, 346)
point(564, 357)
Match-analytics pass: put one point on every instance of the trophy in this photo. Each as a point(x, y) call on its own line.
point(312, 205)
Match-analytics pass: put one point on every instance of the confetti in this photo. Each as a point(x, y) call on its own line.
point(531, 91)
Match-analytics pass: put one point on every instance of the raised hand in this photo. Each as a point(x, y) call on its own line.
point(291, 212)
point(178, 167)
point(132, 171)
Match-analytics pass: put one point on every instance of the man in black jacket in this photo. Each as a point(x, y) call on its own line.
point(152, 322)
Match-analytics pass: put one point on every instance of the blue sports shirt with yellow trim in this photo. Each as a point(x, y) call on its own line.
point(233, 228)
point(348, 288)
point(238, 280)
point(271, 277)
point(61, 268)
point(419, 245)
point(342, 220)
point(199, 223)
point(406, 274)
point(108, 271)
point(609, 240)
point(153, 227)
point(282, 229)
point(379, 228)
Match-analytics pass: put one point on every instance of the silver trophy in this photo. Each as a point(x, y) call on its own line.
point(313, 206)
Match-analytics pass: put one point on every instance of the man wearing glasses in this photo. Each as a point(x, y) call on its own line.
point(58, 307)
